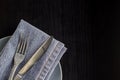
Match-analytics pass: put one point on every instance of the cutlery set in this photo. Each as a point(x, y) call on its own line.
point(20, 55)
point(34, 54)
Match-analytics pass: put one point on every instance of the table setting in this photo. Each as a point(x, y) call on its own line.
point(30, 54)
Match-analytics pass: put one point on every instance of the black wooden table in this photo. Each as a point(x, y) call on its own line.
point(88, 28)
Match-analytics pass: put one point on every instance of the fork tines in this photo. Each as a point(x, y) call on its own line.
point(22, 45)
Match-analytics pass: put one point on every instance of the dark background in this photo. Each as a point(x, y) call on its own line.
point(90, 30)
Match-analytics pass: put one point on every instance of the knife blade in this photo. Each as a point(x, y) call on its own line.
point(34, 58)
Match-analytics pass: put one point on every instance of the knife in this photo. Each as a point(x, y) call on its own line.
point(34, 58)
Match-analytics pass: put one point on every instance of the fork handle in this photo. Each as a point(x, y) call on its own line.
point(11, 77)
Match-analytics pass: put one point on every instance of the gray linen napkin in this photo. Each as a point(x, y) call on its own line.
point(37, 37)
point(55, 63)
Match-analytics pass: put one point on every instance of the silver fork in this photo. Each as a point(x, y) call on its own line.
point(19, 55)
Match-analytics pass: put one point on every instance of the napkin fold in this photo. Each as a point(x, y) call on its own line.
point(44, 67)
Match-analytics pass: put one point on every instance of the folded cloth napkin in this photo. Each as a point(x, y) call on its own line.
point(44, 67)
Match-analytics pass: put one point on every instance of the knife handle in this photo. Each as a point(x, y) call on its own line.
point(31, 61)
